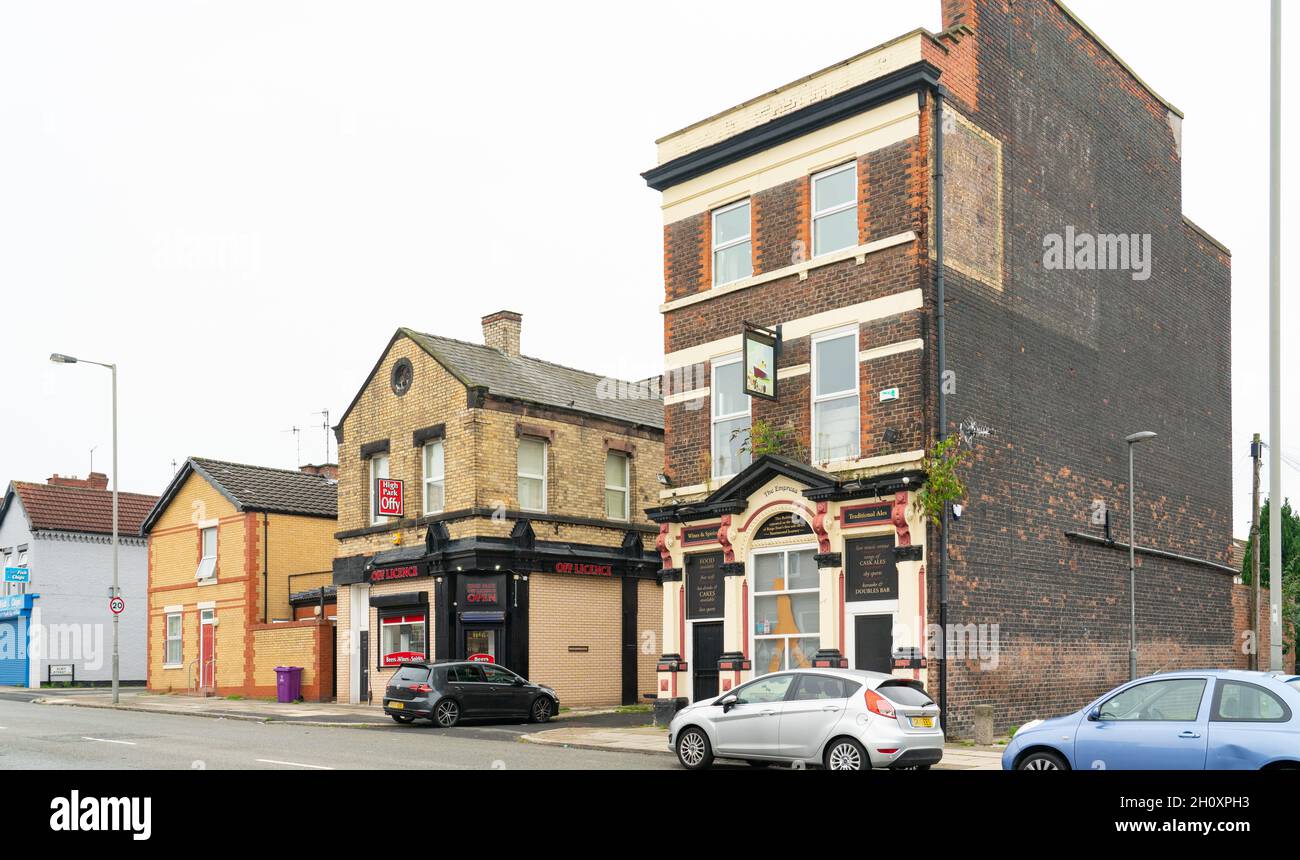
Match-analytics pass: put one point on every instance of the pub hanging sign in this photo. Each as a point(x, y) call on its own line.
point(870, 570)
point(761, 348)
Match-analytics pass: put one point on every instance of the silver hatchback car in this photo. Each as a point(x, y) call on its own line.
point(842, 719)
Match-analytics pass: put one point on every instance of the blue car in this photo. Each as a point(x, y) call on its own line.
point(1214, 719)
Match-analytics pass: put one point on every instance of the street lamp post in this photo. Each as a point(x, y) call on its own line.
point(59, 358)
point(1132, 576)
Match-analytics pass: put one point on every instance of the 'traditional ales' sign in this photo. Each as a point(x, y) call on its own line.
point(704, 588)
point(870, 572)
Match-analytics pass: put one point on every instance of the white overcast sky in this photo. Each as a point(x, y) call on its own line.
point(238, 202)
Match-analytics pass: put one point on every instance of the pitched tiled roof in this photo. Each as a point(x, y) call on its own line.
point(81, 509)
point(520, 377)
point(256, 488)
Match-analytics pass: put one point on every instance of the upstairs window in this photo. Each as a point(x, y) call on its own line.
point(835, 420)
point(532, 474)
point(732, 250)
point(378, 470)
point(616, 485)
point(435, 482)
point(835, 209)
point(207, 553)
point(730, 418)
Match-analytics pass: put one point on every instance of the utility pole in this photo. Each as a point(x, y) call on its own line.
point(1275, 337)
point(1256, 590)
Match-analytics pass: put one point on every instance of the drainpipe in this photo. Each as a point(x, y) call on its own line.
point(942, 360)
point(266, 554)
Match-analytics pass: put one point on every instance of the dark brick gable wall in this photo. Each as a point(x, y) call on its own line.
point(1063, 365)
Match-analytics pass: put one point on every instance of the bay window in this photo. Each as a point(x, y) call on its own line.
point(835, 209)
point(532, 474)
point(435, 482)
point(835, 418)
point(731, 419)
point(733, 257)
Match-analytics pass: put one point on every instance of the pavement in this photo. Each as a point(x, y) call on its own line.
point(654, 740)
point(261, 710)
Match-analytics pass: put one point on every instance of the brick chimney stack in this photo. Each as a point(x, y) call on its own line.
point(325, 470)
point(94, 481)
point(501, 331)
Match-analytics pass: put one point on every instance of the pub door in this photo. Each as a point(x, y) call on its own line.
point(707, 649)
point(482, 640)
point(873, 642)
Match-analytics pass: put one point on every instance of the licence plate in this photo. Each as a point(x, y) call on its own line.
point(922, 722)
point(397, 706)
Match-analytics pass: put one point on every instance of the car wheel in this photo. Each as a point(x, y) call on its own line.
point(542, 710)
point(1042, 761)
point(446, 713)
point(846, 754)
point(402, 718)
point(693, 749)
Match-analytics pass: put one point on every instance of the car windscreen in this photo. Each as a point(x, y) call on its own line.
point(410, 675)
point(907, 693)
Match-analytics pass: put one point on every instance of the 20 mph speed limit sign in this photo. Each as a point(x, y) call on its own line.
point(116, 605)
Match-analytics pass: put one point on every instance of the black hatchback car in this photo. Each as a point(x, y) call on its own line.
point(446, 693)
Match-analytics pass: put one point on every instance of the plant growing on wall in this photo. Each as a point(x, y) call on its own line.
point(943, 483)
point(764, 438)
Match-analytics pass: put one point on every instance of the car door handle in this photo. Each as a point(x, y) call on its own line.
point(768, 713)
point(1189, 735)
point(830, 709)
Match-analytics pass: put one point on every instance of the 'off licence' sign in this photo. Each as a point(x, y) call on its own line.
point(388, 497)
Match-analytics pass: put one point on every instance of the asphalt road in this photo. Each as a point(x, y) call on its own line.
point(52, 737)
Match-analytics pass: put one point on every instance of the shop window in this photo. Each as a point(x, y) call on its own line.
point(732, 250)
point(835, 419)
point(786, 610)
point(835, 209)
point(532, 474)
point(730, 418)
point(174, 655)
point(435, 483)
point(404, 638)
point(616, 485)
point(207, 553)
point(378, 470)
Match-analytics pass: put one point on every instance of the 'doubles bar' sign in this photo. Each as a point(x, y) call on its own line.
point(870, 571)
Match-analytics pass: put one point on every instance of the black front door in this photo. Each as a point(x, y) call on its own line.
point(363, 681)
point(873, 642)
point(704, 658)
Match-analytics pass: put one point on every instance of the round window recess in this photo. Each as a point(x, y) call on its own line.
point(402, 374)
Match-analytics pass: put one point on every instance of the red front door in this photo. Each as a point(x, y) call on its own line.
point(207, 653)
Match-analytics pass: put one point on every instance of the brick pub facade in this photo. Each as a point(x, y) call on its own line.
point(490, 508)
point(813, 208)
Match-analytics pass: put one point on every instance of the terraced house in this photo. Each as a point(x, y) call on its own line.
point(979, 227)
point(490, 507)
point(230, 548)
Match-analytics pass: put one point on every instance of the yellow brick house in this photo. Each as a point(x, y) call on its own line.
point(490, 506)
point(229, 544)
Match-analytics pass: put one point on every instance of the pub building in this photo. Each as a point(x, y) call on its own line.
point(784, 566)
point(490, 509)
point(854, 270)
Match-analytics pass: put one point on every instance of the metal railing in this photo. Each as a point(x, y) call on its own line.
point(195, 672)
